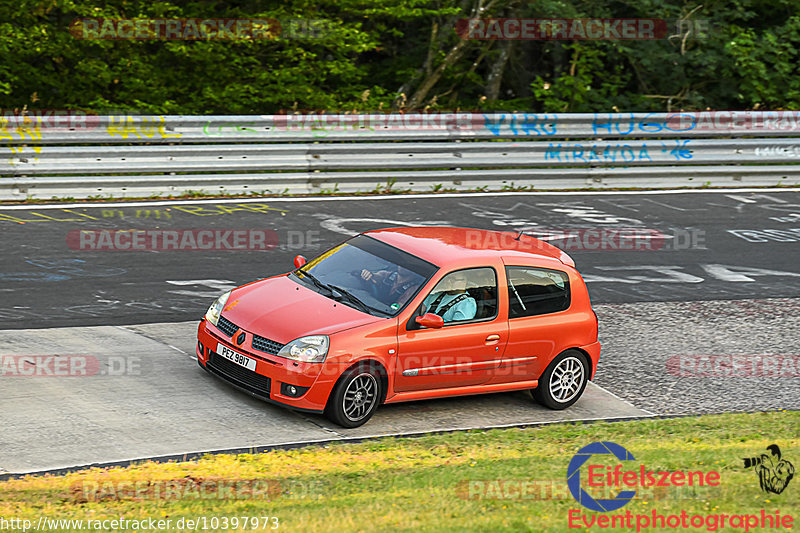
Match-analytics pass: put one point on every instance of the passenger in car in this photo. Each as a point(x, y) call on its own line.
point(450, 300)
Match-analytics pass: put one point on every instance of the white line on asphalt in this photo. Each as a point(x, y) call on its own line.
point(19, 207)
point(623, 400)
point(314, 422)
point(532, 423)
point(140, 334)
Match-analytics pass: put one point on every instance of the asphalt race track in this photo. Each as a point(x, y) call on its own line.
point(716, 275)
point(48, 284)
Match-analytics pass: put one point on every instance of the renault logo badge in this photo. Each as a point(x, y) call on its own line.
point(240, 338)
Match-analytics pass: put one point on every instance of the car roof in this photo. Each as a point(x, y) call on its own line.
point(441, 245)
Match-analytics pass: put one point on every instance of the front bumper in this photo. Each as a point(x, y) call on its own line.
point(271, 371)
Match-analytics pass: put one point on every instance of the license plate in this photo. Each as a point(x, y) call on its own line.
point(236, 357)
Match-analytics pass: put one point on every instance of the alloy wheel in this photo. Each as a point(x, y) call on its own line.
point(360, 396)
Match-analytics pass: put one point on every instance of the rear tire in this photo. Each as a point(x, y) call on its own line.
point(563, 382)
point(355, 398)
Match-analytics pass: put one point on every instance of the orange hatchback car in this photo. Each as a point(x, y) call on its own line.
point(402, 314)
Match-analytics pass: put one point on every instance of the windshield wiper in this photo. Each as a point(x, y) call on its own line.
point(315, 280)
point(352, 298)
point(343, 292)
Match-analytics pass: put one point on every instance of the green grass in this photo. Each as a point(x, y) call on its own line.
point(422, 484)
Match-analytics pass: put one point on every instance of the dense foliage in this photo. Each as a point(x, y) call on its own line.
point(382, 54)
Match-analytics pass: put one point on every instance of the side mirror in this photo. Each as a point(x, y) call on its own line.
point(429, 320)
point(299, 261)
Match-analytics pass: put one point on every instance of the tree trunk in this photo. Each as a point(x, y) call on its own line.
point(495, 78)
point(432, 79)
point(479, 10)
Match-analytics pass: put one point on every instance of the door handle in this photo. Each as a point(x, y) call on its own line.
point(493, 338)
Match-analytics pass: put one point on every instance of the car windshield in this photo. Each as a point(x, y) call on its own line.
point(367, 274)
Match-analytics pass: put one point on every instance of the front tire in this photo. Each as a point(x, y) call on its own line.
point(563, 382)
point(355, 398)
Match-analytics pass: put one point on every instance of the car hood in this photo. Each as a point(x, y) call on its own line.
point(282, 310)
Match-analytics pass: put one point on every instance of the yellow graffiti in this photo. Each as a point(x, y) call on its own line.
point(145, 213)
point(9, 218)
point(139, 126)
point(35, 132)
point(140, 213)
point(80, 214)
point(26, 128)
point(159, 214)
point(4, 132)
point(226, 210)
point(42, 218)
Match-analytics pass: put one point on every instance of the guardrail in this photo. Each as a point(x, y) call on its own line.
point(67, 154)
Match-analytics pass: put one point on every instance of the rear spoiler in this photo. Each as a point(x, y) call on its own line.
point(553, 251)
point(567, 259)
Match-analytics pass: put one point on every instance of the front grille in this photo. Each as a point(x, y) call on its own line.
point(226, 326)
point(239, 375)
point(267, 345)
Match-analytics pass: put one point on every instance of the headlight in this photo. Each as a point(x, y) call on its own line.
point(212, 315)
point(311, 349)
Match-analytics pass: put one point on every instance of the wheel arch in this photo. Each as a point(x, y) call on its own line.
point(374, 363)
point(584, 353)
point(587, 358)
point(543, 394)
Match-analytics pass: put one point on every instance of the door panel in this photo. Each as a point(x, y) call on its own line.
point(468, 349)
point(453, 356)
point(538, 321)
point(530, 346)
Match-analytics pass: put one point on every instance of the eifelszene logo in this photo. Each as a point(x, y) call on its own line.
point(774, 472)
point(608, 479)
point(574, 476)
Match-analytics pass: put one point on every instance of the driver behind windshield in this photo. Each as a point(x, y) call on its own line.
point(393, 286)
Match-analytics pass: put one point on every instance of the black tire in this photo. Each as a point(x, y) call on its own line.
point(355, 398)
point(563, 381)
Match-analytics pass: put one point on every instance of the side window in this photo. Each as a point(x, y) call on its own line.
point(464, 295)
point(536, 291)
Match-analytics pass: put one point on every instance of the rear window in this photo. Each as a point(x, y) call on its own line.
point(536, 291)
